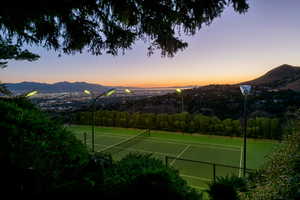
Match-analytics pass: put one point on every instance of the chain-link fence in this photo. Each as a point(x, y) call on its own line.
point(200, 172)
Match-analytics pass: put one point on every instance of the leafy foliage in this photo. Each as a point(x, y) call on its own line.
point(30, 141)
point(280, 177)
point(139, 176)
point(260, 127)
point(9, 51)
point(108, 25)
point(227, 188)
point(3, 89)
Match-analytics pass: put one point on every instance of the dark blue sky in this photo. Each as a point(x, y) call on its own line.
point(233, 48)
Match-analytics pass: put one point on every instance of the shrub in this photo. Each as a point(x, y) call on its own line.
point(143, 177)
point(227, 188)
point(34, 147)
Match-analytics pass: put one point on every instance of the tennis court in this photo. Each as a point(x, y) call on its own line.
point(196, 173)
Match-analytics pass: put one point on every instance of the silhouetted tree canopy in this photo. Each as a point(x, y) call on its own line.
point(8, 51)
point(107, 26)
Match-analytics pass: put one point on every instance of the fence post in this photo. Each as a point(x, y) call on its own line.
point(166, 161)
point(214, 172)
point(84, 138)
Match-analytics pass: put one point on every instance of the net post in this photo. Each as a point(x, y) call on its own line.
point(214, 172)
point(84, 138)
point(166, 161)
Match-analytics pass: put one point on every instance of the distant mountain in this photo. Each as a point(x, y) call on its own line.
point(283, 77)
point(55, 87)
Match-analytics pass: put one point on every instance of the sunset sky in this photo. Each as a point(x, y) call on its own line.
point(232, 49)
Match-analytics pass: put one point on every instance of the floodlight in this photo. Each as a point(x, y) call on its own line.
point(87, 92)
point(128, 91)
point(245, 89)
point(110, 92)
point(178, 90)
point(31, 93)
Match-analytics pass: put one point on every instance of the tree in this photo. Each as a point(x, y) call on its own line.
point(36, 153)
point(8, 51)
point(3, 89)
point(107, 25)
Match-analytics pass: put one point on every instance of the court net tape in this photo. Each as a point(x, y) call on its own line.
point(124, 144)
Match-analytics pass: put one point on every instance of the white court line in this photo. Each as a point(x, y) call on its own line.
point(180, 154)
point(241, 157)
point(139, 150)
point(119, 143)
point(196, 177)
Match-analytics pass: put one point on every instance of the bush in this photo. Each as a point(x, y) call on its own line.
point(143, 177)
point(227, 188)
point(34, 147)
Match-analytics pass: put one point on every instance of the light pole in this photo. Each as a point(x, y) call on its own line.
point(94, 99)
point(246, 90)
point(128, 91)
point(180, 92)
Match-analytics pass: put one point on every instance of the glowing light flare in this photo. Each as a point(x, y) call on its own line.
point(178, 90)
point(128, 91)
point(110, 92)
point(31, 93)
point(87, 92)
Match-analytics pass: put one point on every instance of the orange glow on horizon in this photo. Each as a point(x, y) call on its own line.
point(161, 83)
point(149, 84)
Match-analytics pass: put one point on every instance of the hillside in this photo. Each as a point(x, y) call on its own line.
point(282, 77)
point(55, 87)
point(275, 92)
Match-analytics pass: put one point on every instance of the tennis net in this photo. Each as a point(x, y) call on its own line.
point(125, 144)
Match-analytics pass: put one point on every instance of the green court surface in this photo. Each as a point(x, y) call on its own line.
point(181, 150)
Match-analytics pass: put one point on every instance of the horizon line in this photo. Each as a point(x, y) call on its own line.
point(145, 85)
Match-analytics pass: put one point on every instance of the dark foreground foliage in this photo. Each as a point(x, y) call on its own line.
point(146, 178)
point(107, 26)
point(280, 178)
point(227, 188)
point(35, 153)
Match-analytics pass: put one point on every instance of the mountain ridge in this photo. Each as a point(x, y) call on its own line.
point(282, 77)
point(57, 87)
